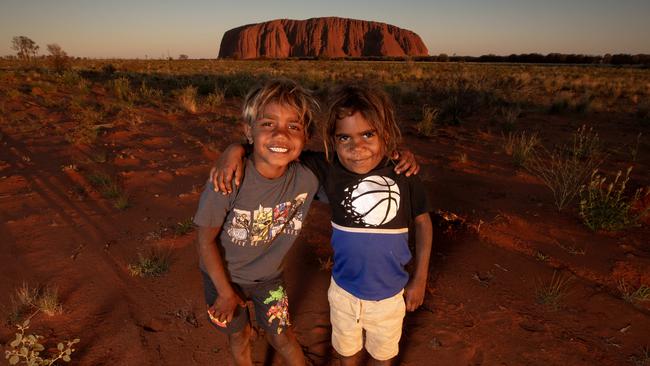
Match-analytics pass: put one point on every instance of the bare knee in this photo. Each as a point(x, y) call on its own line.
point(282, 340)
point(240, 338)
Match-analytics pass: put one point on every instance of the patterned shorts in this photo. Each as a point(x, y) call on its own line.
point(270, 303)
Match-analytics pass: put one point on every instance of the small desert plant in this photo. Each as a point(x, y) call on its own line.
point(184, 227)
point(604, 206)
point(153, 264)
point(462, 158)
point(427, 125)
point(29, 299)
point(565, 170)
point(214, 100)
point(643, 359)
point(586, 143)
point(642, 293)
point(122, 89)
point(26, 349)
point(509, 116)
point(187, 98)
point(552, 292)
point(521, 147)
point(110, 188)
point(563, 176)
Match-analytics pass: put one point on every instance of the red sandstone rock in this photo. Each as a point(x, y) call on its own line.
point(329, 37)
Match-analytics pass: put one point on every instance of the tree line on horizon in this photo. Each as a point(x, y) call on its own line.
point(27, 50)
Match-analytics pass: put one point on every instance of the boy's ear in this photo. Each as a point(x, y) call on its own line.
point(248, 133)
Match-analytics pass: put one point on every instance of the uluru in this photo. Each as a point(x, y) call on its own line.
point(330, 37)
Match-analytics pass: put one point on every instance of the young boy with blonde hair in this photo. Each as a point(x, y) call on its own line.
point(256, 225)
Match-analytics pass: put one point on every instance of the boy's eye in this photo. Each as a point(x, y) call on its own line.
point(369, 134)
point(343, 138)
point(295, 127)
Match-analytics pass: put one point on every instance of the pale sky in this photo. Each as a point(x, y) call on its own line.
point(139, 29)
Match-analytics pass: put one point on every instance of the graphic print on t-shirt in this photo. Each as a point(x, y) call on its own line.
point(372, 201)
point(266, 222)
point(239, 227)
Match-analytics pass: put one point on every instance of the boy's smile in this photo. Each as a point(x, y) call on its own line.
point(278, 137)
point(358, 146)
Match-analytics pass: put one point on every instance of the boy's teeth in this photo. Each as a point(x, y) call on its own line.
point(279, 149)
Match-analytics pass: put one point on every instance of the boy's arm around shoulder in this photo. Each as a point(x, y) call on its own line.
point(416, 287)
point(229, 166)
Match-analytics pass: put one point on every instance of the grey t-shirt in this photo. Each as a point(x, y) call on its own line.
point(260, 221)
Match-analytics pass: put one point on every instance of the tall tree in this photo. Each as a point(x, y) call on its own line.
point(25, 47)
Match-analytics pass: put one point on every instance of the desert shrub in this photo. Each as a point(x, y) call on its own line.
point(604, 206)
point(153, 264)
point(631, 295)
point(564, 170)
point(148, 94)
point(521, 147)
point(30, 300)
point(26, 349)
point(187, 98)
point(586, 143)
point(562, 175)
point(58, 58)
point(428, 123)
point(130, 115)
point(110, 188)
point(462, 96)
point(184, 227)
point(122, 89)
point(87, 120)
point(552, 292)
point(213, 100)
point(70, 77)
point(509, 116)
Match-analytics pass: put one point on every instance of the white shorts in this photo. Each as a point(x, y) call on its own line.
point(381, 320)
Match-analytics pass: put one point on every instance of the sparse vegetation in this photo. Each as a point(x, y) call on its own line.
point(551, 293)
point(187, 98)
point(521, 147)
point(152, 264)
point(631, 295)
point(110, 188)
point(29, 300)
point(184, 227)
point(605, 206)
point(26, 349)
point(427, 125)
point(643, 359)
point(564, 170)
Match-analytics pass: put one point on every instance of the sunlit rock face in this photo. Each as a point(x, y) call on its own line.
point(320, 37)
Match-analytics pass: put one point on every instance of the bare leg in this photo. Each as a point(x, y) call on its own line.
point(288, 347)
point(240, 346)
point(350, 360)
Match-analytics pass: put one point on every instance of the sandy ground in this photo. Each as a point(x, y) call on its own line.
point(57, 229)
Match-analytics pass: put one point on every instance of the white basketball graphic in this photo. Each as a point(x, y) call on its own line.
point(373, 201)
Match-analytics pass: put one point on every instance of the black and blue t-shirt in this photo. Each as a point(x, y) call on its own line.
point(371, 214)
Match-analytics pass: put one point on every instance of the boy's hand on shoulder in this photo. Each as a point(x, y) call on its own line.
point(229, 165)
point(414, 294)
point(406, 163)
point(224, 307)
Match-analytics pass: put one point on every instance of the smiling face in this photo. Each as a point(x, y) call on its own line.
point(358, 145)
point(278, 136)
